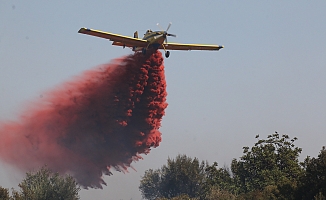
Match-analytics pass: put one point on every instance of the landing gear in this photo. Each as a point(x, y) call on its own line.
point(167, 54)
point(143, 51)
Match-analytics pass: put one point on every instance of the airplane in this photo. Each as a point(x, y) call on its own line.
point(151, 39)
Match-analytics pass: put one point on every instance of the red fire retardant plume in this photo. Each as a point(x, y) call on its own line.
point(101, 120)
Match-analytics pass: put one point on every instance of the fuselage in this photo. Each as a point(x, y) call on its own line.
point(155, 39)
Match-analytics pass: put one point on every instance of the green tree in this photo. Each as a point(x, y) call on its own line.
point(271, 163)
point(181, 176)
point(314, 180)
point(216, 193)
point(4, 194)
point(150, 184)
point(218, 181)
point(44, 184)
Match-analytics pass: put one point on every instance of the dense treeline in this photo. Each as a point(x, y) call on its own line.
point(268, 170)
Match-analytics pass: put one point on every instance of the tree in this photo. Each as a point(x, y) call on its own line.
point(269, 163)
point(150, 184)
point(4, 193)
point(219, 183)
point(44, 184)
point(181, 176)
point(216, 193)
point(314, 179)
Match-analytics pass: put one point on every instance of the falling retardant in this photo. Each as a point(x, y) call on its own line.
point(99, 121)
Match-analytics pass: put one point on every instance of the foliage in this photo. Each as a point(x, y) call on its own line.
point(270, 162)
point(319, 196)
point(314, 180)
point(150, 184)
point(181, 176)
point(216, 193)
point(180, 197)
point(44, 184)
point(268, 170)
point(4, 193)
point(270, 192)
point(218, 180)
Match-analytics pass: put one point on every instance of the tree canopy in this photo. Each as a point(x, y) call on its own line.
point(44, 184)
point(270, 169)
point(181, 175)
point(270, 162)
point(313, 183)
point(4, 194)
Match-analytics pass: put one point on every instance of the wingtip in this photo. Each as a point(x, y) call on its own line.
point(81, 30)
point(220, 47)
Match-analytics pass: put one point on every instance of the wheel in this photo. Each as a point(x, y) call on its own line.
point(167, 54)
point(144, 51)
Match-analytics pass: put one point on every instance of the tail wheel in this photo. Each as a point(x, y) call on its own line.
point(167, 54)
point(144, 51)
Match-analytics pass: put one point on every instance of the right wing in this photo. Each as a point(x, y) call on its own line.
point(188, 47)
point(119, 40)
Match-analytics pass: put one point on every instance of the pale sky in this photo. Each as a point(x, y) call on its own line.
point(271, 75)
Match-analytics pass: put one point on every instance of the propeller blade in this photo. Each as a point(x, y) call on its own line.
point(173, 35)
point(159, 26)
point(168, 27)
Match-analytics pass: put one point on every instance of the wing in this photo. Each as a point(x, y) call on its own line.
point(188, 47)
point(119, 40)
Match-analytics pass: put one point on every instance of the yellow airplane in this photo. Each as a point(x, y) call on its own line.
point(151, 39)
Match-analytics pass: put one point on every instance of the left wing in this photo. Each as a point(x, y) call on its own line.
point(188, 47)
point(119, 40)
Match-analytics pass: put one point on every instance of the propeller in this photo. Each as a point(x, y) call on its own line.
point(166, 31)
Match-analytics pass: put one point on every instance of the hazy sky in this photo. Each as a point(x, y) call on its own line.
point(271, 75)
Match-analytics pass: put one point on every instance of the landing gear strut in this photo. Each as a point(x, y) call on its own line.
point(144, 51)
point(167, 54)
